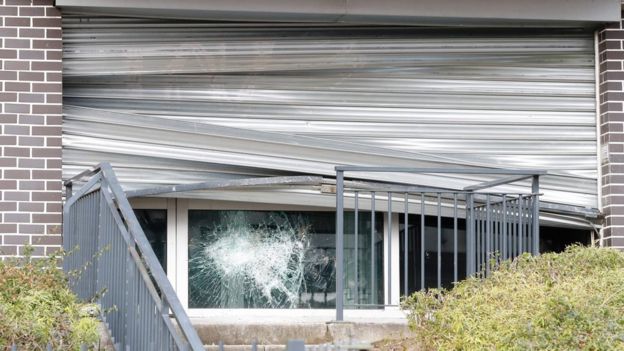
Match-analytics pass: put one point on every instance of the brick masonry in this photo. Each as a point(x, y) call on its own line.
point(30, 122)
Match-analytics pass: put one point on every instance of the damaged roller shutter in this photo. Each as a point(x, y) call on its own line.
point(149, 95)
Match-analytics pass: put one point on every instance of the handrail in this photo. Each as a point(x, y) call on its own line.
point(141, 252)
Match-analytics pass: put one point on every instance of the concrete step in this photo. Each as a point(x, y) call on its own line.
point(324, 347)
point(314, 327)
point(343, 333)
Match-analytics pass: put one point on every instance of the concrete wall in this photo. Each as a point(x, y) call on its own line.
point(30, 122)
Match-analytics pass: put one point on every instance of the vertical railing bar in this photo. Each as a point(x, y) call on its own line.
point(470, 237)
point(467, 232)
point(405, 246)
point(520, 224)
point(373, 293)
point(422, 241)
point(536, 205)
point(497, 241)
point(454, 237)
point(488, 235)
point(439, 240)
point(478, 240)
point(339, 245)
point(504, 210)
point(356, 248)
point(516, 229)
point(389, 259)
point(529, 225)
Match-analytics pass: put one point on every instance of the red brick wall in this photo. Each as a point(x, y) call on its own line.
point(30, 122)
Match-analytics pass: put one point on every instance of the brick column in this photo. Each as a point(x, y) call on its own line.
point(30, 119)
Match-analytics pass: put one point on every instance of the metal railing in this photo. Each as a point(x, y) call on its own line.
point(118, 268)
point(494, 225)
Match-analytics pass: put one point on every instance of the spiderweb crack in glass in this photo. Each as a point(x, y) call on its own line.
point(252, 265)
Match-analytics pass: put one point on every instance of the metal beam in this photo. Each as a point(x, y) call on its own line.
point(225, 184)
point(476, 170)
point(496, 182)
point(422, 12)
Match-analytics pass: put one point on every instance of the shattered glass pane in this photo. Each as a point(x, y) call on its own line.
point(260, 259)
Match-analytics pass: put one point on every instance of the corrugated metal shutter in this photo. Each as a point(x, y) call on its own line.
point(295, 98)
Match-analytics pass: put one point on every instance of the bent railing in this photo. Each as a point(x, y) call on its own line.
point(111, 261)
point(484, 225)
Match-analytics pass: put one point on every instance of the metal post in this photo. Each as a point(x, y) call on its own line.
point(478, 240)
point(470, 240)
point(389, 259)
point(504, 209)
point(422, 241)
point(536, 229)
point(455, 237)
point(488, 235)
point(439, 240)
point(405, 246)
point(373, 274)
point(339, 245)
point(356, 249)
point(520, 225)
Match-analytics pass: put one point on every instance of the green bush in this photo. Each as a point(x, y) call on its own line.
point(568, 301)
point(37, 307)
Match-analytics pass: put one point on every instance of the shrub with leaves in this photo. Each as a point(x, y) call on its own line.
point(568, 301)
point(37, 307)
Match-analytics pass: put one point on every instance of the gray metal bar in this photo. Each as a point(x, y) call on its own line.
point(86, 173)
point(339, 245)
point(529, 220)
point(514, 228)
point(479, 249)
point(389, 259)
point(395, 188)
point(221, 184)
point(470, 240)
point(373, 273)
point(455, 237)
point(488, 236)
point(504, 238)
point(422, 241)
point(405, 246)
point(520, 225)
point(493, 183)
point(536, 206)
point(475, 170)
point(356, 249)
point(439, 241)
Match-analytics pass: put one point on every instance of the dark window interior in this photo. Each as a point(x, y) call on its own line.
point(154, 224)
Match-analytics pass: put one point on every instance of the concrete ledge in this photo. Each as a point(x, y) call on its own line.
point(312, 333)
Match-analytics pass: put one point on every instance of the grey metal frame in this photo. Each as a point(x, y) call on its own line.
point(496, 222)
point(112, 262)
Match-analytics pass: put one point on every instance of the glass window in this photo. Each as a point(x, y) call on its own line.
point(264, 259)
point(154, 224)
point(414, 247)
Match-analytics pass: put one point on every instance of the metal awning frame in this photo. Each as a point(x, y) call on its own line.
point(327, 185)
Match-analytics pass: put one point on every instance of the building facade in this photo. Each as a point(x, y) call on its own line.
point(183, 95)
